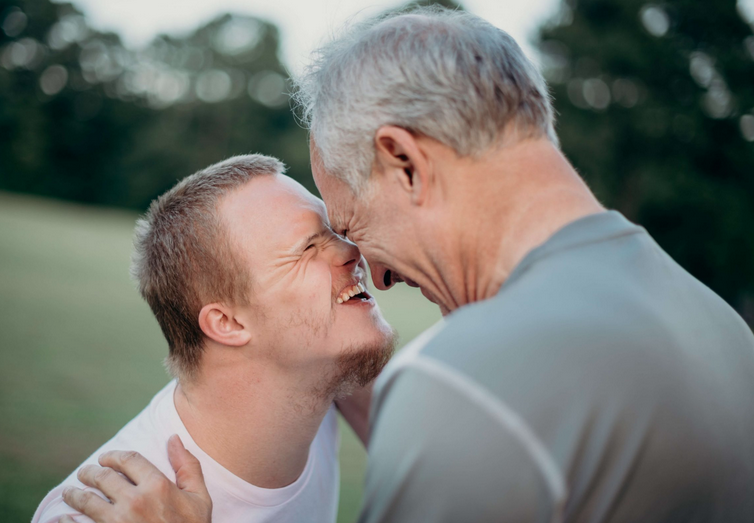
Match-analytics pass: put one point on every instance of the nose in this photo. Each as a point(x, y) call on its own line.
point(346, 253)
point(382, 277)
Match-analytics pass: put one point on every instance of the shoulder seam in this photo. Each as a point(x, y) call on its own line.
point(506, 417)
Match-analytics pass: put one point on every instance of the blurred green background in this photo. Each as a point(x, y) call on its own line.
point(655, 104)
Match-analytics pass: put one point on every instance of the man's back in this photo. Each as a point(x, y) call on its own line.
point(312, 497)
point(602, 383)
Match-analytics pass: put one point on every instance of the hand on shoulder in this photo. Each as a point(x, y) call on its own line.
point(144, 495)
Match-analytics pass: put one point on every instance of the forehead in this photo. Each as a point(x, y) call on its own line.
point(338, 196)
point(272, 211)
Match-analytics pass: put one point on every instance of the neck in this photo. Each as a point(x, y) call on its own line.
point(246, 420)
point(512, 201)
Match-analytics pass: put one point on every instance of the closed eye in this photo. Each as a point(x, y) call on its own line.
point(310, 246)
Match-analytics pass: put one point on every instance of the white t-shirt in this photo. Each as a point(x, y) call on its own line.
point(313, 497)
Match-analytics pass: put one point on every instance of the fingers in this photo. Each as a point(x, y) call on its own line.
point(188, 470)
point(88, 503)
point(132, 464)
point(105, 479)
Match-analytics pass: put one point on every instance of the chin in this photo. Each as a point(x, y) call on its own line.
point(360, 363)
point(364, 346)
point(361, 322)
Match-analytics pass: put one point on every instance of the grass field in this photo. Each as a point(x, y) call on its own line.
point(80, 353)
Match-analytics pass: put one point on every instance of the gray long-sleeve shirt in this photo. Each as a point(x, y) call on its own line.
point(602, 384)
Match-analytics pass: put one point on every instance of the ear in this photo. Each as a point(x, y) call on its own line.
point(401, 156)
point(218, 323)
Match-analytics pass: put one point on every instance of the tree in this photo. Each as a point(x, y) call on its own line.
point(86, 119)
point(655, 104)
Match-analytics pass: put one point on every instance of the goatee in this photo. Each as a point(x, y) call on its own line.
point(360, 365)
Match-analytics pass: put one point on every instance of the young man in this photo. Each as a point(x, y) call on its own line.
point(268, 320)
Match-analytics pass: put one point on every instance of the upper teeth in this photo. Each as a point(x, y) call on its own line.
point(350, 292)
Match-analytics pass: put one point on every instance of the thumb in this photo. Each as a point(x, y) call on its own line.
point(188, 470)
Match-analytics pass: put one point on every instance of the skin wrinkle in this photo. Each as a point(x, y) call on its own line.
point(460, 245)
point(528, 219)
point(440, 287)
point(429, 264)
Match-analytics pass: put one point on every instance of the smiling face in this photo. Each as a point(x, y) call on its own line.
point(308, 304)
point(387, 230)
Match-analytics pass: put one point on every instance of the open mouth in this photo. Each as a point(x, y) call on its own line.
point(354, 293)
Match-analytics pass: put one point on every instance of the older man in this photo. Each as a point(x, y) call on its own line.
point(268, 320)
point(580, 374)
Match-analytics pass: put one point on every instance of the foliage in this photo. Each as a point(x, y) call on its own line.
point(86, 119)
point(656, 110)
point(655, 103)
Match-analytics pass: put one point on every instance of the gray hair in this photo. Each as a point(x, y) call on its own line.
point(444, 74)
point(184, 259)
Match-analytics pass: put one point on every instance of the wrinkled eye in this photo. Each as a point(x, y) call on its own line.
point(311, 245)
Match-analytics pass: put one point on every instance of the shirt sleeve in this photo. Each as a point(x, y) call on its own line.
point(53, 508)
point(437, 455)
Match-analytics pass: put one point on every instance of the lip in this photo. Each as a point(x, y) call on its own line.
point(410, 283)
point(396, 277)
point(355, 281)
point(428, 295)
point(363, 302)
point(351, 283)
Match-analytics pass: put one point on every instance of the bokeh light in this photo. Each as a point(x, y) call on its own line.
point(747, 127)
point(53, 79)
point(655, 20)
point(14, 22)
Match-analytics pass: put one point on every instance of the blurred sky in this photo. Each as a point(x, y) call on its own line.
point(303, 23)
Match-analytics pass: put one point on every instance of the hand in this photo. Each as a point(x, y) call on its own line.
point(149, 497)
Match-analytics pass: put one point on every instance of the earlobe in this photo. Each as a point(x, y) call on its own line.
point(220, 324)
point(399, 155)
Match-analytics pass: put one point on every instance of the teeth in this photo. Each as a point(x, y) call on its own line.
point(350, 292)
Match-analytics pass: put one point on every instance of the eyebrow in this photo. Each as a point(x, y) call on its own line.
point(305, 242)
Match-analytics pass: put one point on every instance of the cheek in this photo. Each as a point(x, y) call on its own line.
point(358, 327)
point(302, 297)
point(312, 292)
point(302, 312)
point(380, 249)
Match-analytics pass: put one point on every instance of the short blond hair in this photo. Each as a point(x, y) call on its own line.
point(183, 257)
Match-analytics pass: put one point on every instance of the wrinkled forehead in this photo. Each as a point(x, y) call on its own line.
point(337, 195)
point(339, 199)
